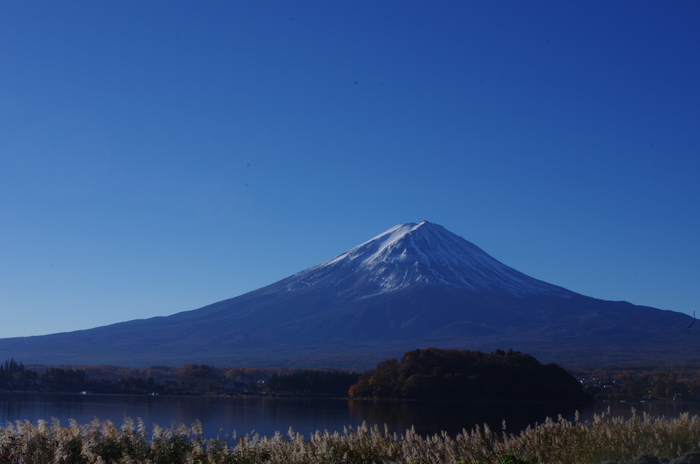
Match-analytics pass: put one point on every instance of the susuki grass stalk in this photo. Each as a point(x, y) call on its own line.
point(554, 441)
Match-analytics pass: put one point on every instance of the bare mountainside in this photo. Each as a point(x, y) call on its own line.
point(413, 286)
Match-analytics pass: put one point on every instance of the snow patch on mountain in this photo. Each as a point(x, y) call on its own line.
point(422, 253)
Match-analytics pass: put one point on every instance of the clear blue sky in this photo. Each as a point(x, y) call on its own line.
point(156, 157)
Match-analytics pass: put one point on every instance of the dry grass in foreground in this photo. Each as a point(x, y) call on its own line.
point(560, 441)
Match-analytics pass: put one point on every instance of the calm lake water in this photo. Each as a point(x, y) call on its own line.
point(223, 415)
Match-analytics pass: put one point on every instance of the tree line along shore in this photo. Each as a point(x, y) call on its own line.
point(420, 374)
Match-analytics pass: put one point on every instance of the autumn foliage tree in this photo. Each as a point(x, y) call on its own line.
point(199, 376)
point(313, 381)
point(12, 370)
point(468, 375)
point(65, 379)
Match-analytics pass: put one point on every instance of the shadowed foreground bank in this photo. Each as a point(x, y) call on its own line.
point(605, 438)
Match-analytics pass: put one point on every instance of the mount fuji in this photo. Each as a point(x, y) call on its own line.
point(413, 286)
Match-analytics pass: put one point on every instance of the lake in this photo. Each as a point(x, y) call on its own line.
point(267, 415)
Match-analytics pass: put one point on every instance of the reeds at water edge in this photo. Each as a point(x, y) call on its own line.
point(555, 441)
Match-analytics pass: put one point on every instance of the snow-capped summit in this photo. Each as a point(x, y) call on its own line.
point(422, 253)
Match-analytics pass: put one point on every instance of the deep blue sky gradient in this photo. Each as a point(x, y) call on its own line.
point(156, 157)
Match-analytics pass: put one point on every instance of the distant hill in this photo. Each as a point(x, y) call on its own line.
point(414, 285)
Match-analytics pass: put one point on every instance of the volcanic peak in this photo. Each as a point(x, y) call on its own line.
point(422, 253)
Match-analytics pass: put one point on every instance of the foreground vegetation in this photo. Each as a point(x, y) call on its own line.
point(561, 441)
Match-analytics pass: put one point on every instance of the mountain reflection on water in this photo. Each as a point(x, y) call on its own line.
point(265, 416)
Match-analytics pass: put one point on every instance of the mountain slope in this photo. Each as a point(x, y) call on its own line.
point(415, 285)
